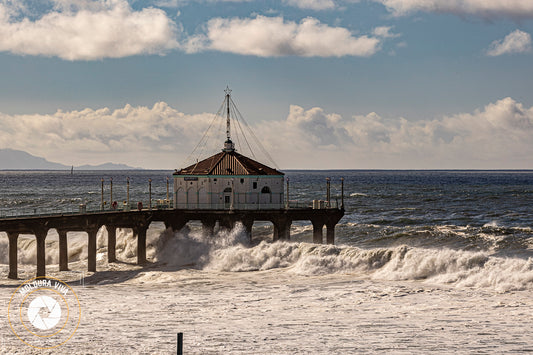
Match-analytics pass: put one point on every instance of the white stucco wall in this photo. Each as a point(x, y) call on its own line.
point(225, 192)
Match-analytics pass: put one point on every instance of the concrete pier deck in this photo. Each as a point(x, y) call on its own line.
point(139, 221)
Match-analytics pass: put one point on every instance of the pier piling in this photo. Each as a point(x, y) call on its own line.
point(208, 226)
point(111, 243)
point(40, 236)
point(282, 229)
point(63, 250)
point(140, 232)
point(317, 232)
point(91, 250)
point(248, 225)
point(330, 233)
point(13, 251)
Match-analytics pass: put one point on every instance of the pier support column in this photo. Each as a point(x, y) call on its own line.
point(111, 243)
point(176, 224)
point(317, 231)
point(208, 226)
point(275, 232)
point(248, 224)
point(63, 250)
point(227, 223)
point(40, 237)
point(13, 254)
point(330, 233)
point(282, 230)
point(91, 249)
point(140, 232)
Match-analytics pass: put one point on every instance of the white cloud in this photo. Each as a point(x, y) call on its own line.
point(496, 136)
point(178, 3)
point(311, 4)
point(515, 42)
point(88, 30)
point(273, 37)
point(482, 8)
point(91, 30)
point(139, 136)
point(384, 32)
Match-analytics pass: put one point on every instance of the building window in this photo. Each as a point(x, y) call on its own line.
point(265, 190)
point(214, 179)
point(242, 181)
point(255, 185)
point(227, 189)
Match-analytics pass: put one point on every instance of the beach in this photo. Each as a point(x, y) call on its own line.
point(313, 301)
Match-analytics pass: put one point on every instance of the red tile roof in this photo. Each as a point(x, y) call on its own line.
point(228, 163)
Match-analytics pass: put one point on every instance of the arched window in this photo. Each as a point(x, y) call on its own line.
point(265, 190)
point(227, 189)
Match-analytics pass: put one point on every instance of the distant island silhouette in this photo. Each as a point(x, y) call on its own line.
point(11, 159)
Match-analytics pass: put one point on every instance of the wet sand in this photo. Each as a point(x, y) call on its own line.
point(285, 298)
point(140, 311)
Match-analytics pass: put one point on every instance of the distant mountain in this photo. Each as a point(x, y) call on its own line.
point(106, 166)
point(18, 160)
point(11, 159)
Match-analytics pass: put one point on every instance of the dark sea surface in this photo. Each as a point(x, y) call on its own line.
point(473, 210)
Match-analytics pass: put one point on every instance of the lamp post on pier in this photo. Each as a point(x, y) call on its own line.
point(150, 192)
point(342, 193)
point(168, 201)
point(102, 202)
point(111, 192)
point(328, 184)
point(128, 192)
point(287, 192)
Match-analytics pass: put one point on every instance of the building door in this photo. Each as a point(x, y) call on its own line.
point(203, 199)
point(192, 198)
point(266, 196)
point(227, 197)
point(181, 198)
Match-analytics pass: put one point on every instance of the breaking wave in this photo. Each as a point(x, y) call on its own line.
point(230, 251)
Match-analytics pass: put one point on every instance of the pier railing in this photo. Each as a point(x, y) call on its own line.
point(159, 205)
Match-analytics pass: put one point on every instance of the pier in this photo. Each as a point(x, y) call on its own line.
point(225, 188)
point(139, 221)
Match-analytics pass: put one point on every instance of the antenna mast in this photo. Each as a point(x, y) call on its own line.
point(228, 92)
point(228, 144)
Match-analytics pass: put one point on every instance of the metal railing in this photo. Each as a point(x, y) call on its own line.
point(160, 205)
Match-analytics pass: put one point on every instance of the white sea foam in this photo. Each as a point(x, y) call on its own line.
point(229, 251)
point(491, 224)
point(193, 248)
point(447, 266)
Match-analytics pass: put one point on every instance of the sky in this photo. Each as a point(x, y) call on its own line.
point(324, 84)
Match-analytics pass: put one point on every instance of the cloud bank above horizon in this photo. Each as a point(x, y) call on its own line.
point(496, 136)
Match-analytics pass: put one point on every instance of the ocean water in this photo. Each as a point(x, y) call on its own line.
point(423, 261)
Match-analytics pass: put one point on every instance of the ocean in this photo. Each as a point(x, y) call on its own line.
point(423, 261)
